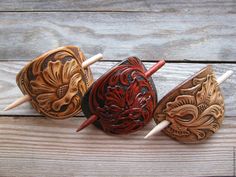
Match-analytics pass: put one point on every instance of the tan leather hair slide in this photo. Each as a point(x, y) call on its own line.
point(192, 111)
point(56, 81)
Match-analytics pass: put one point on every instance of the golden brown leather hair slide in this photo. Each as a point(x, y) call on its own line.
point(122, 100)
point(194, 110)
point(55, 82)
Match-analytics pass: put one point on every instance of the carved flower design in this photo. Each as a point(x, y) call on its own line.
point(123, 99)
point(198, 110)
point(58, 87)
point(127, 104)
point(126, 109)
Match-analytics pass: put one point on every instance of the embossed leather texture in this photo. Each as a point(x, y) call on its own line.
point(56, 82)
point(195, 108)
point(123, 99)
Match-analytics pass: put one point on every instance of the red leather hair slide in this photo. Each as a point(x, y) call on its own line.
point(122, 100)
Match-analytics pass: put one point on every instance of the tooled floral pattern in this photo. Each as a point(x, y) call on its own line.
point(197, 112)
point(56, 83)
point(124, 100)
point(58, 86)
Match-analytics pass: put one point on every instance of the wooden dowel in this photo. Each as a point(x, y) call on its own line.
point(92, 60)
point(225, 76)
point(165, 123)
point(87, 122)
point(154, 68)
point(158, 128)
point(18, 102)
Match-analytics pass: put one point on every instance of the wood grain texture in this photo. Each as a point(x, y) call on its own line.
point(42, 147)
point(187, 32)
point(165, 80)
point(234, 161)
point(149, 35)
point(161, 6)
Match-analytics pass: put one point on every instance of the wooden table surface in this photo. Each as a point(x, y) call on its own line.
point(189, 34)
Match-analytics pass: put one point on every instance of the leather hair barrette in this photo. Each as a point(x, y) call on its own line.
point(122, 100)
point(56, 81)
point(194, 110)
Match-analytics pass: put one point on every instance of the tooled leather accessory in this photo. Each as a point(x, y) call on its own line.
point(195, 108)
point(56, 82)
point(122, 100)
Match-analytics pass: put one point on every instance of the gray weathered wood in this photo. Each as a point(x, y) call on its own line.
point(166, 79)
point(117, 35)
point(184, 31)
point(161, 6)
point(42, 147)
point(234, 161)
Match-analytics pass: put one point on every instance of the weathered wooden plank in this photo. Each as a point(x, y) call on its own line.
point(161, 6)
point(120, 34)
point(32, 146)
point(234, 160)
point(166, 79)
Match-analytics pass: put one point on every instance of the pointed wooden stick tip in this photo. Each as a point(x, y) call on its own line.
point(159, 127)
point(87, 122)
point(17, 102)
